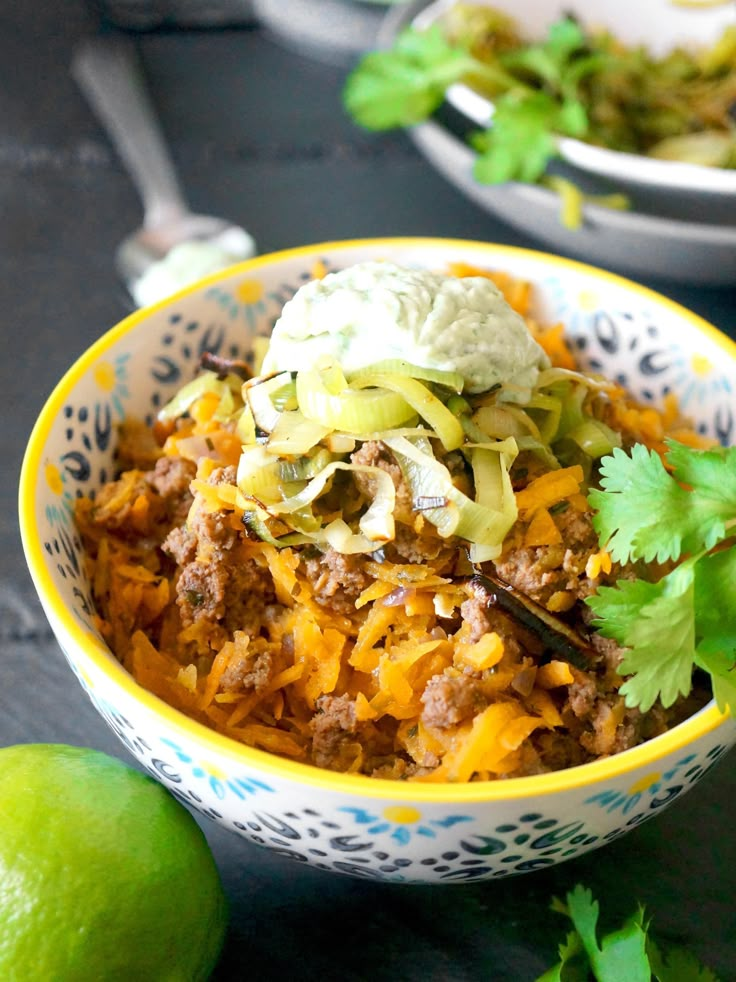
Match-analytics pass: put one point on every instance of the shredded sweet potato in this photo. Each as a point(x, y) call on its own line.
point(404, 675)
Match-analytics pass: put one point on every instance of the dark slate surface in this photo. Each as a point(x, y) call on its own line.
point(258, 135)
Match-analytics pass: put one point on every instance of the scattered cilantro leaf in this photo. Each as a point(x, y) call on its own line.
point(712, 471)
point(573, 964)
point(677, 965)
point(627, 953)
point(688, 618)
point(715, 593)
point(619, 955)
point(722, 670)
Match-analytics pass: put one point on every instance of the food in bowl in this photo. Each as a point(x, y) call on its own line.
point(397, 831)
point(541, 89)
point(374, 553)
point(672, 106)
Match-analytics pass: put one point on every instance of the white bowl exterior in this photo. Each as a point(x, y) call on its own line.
point(659, 25)
point(383, 837)
point(642, 245)
point(625, 331)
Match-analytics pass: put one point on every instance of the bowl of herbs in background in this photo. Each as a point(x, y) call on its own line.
point(447, 71)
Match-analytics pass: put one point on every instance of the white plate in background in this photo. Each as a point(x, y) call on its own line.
point(661, 25)
point(677, 235)
point(634, 243)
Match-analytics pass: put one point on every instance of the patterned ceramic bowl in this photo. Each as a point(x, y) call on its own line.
point(351, 824)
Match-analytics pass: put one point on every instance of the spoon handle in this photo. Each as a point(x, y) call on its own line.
point(109, 74)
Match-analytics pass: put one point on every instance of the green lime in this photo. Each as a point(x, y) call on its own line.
point(103, 874)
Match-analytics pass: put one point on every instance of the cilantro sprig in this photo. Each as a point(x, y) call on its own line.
point(536, 94)
point(684, 512)
point(629, 952)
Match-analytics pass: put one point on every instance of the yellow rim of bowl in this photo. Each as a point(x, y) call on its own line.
point(101, 661)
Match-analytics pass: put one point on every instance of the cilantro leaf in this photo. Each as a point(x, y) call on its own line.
point(662, 644)
point(621, 954)
point(715, 594)
point(713, 470)
point(641, 509)
point(643, 512)
point(552, 60)
point(628, 953)
point(405, 84)
point(523, 138)
point(722, 670)
point(618, 608)
point(656, 624)
point(715, 622)
point(536, 94)
point(686, 619)
point(573, 964)
point(677, 965)
point(712, 477)
point(520, 143)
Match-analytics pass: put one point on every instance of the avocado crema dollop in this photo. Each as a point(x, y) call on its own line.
point(374, 311)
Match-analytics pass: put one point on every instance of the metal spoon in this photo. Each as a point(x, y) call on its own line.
point(110, 76)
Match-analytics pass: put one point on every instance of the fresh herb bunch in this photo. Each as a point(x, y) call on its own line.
point(683, 513)
point(628, 953)
point(537, 100)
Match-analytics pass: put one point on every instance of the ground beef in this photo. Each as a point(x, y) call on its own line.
point(582, 693)
point(555, 751)
point(373, 453)
point(200, 592)
point(218, 583)
point(336, 579)
point(474, 612)
point(249, 589)
point(114, 507)
point(137, 448)
point(448, 701)
point(180, 545)
point(480, 618)
point(254, 670)
point(223, 475)
point(543, 571)
point(215, 532)
point(331, 726)
point(143, 505)
point(609, 652)
point(171, 478)
point(410, 546)
point(230, 594)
